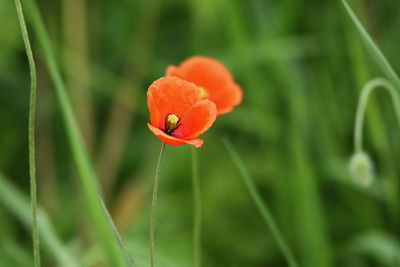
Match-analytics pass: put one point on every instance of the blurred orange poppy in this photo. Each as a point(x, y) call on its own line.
point(213, 79)
point(178, 114)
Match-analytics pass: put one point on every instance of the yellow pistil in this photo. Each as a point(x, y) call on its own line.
point(171, 123)
point(203, 92)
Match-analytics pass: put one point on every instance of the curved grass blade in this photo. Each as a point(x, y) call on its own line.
point(373, 49)
point(18, 204)
point(90, 187)
point(31, 133)
point(262, 207)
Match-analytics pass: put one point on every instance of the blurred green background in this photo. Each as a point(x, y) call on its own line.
point(301, 65)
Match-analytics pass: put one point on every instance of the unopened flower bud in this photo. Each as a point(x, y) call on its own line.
point(361, 168)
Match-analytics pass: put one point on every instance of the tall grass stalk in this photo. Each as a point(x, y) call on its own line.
point(31, 133)
point(262, 207)
point(77, 70)
point(374, 50)
point(154, 204)
point(362, 104)
point(197, 210)
point(89, 185)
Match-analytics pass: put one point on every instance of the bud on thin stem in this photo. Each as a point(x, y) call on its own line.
point(361, 166)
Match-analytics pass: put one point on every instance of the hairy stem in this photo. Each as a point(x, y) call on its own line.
point(154, 204)
point(31, 133)
point(197, 210)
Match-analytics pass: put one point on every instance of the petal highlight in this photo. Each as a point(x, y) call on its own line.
point(197, 120)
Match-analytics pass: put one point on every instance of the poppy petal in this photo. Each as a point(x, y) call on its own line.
point(170, 95)
point(154, 112)
point(212, 76)
point(171, 71)
point(197, 120)
point(227, 98)
point(203, 71)
point(171, 140)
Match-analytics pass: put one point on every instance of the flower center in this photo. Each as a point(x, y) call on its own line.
point(203, 92)
point(171, 123)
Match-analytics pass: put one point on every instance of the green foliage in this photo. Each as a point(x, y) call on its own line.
point(301, 65)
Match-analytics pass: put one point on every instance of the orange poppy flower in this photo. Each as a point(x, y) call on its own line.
point(178, 114)
point(213, 79)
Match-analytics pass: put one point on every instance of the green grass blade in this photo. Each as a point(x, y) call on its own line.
point(18, 204)
point(121, 243)
point(262, 207)
point(89, 184)
point(31, 133)
point(373, 49)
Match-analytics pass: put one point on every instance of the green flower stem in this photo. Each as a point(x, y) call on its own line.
point(154, 204)
point(31, 133)
point(362, 104)
point(197, 210)
point(89, 185)
point(262, 207)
